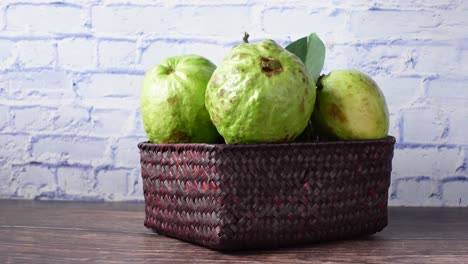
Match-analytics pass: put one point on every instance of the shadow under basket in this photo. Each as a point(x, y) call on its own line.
point(231, 197)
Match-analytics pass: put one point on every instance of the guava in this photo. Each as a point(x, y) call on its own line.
point(260, 93)
point(350, 105)
point(173, 101)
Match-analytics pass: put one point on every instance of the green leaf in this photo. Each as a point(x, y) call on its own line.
point(311, 51)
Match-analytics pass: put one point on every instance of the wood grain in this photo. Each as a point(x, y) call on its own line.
point(64, 232)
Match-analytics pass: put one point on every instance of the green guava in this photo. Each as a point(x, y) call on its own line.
point(173, 101)
point(350, 106)
point(260, 93)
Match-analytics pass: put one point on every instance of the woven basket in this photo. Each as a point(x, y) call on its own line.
point(266, 195)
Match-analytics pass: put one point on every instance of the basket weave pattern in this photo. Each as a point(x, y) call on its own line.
point(266, 195)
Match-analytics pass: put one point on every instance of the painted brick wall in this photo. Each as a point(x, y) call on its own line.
point(70, 76)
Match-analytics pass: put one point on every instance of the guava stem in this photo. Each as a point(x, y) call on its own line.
point(246, 37)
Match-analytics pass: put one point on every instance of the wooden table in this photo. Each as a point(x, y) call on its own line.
point(71, 232)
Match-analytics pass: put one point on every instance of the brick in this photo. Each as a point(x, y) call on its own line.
point(77, 54)
point(139, 129)
point(436, 59)
point(394, 127)
point(4, 85)
point(126, 151)
point(86, 150)
point(356, 4)
point(424, 125)
point(4, 116)
point(455, 193)
point(458, 128)
point(448, 88)
point(40, 85)
point(34, 54)
point(113, 181)
point(138, 191)
point(52, 18)
point(463, 61)
point(160, 50)
point(2, 17)
point(7, 56)
point(136, 185)
point(5, 177)
point(392, 24)
point(110, 122)
point(32, 118)
point(34, 180)
point(110, 85)
point(227, 20)
point(157, 51)
point(117, 54)
point(301, 22)
point(131, 19)
point(447, 104)
point(453, 25)
point(75, 180)
point(415, 192)
point(399, 91)
point(215, 53)
point(71, 119)
point(436, 163)
point(464, 168)
point(14, 147)
point(414, 5)
point(374, 60)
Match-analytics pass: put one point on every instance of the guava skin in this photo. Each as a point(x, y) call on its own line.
point(260, 93)
point(173, 101)
point(350, 106)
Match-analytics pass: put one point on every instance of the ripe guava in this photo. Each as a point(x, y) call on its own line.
point(260, 93)
point(173, 101)
point(349, 106)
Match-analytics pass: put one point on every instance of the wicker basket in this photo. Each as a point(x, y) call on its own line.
point(266, 195)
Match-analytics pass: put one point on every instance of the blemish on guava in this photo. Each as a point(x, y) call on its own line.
point(221, 92)
point(179, 136)
point(301, 106)
point(303, 79)
point(173, 100)
point(270, 66)
point(365, 105)
point(214, 82)
point(335, 111)
point(365, 102)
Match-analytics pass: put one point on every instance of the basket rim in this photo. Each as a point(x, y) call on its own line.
point(387, 140)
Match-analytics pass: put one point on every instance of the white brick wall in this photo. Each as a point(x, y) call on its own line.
point(117, 54)
point(43, 19)
point(35, 54)
point(76, 181)
point(130, 20)
point(77, 54)
point(424, 125)
point(71, 73)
